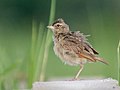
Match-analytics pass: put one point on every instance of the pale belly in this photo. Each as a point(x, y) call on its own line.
point(68, 57)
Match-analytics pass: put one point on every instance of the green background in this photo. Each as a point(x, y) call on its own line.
point(98, 18)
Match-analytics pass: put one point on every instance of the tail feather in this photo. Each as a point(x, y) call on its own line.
point(92, 58)
point(101, 60)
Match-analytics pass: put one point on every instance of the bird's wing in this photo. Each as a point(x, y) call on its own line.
point(78, 43)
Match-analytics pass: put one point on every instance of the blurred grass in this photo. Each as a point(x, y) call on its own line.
point(40, 49)
point(21, 58)
point(48, 41)
point(118, 56)
point(31, 63)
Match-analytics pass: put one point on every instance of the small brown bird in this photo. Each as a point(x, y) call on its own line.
point(72, 47)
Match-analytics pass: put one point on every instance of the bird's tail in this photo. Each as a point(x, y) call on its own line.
point(93, 58)
point(101, 60)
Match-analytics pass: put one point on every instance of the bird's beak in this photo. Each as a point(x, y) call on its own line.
point(50, 27)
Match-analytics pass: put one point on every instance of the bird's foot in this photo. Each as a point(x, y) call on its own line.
point(74, 79)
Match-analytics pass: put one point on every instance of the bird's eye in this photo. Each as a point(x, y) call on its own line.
point(58, 25)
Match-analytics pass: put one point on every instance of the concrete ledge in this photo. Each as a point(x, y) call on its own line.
point(102, 84)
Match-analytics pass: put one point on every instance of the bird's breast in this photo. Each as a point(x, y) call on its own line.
point(68, 57)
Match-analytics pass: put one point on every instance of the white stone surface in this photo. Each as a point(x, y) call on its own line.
point(101, 84)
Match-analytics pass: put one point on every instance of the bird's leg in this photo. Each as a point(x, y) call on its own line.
point(81, 68)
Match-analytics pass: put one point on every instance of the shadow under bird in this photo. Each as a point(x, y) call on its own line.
point(72, 47)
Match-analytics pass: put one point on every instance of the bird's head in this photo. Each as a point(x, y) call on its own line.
point(59, 26)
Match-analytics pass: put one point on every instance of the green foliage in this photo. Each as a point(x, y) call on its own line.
point(40, 49)
point(118, 54)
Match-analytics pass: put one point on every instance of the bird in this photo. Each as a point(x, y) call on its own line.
point(72, 47)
